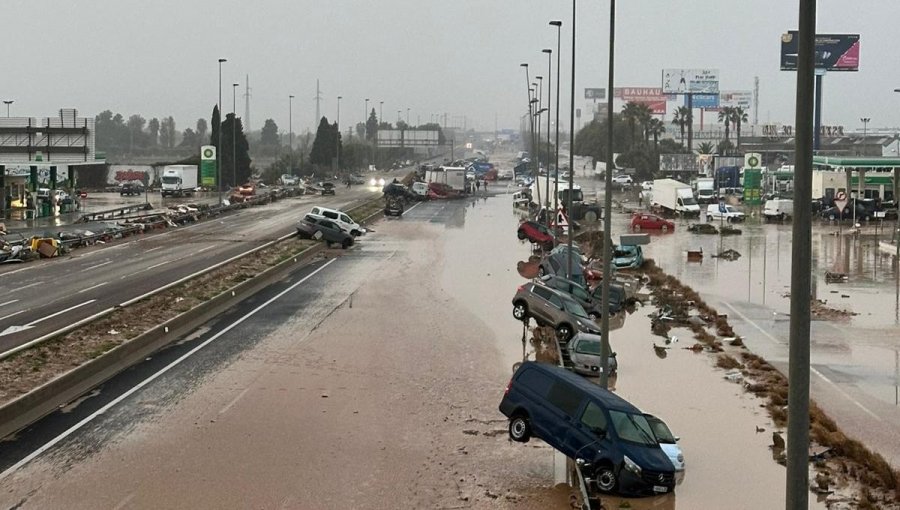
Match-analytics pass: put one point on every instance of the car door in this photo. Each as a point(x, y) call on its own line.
point(565, 404)
point(588, 433)
point(541, 306)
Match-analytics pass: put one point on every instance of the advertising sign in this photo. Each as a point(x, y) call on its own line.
point(736, 98)
point(752, 186)
point(696, 81)
point(707, 102)
point(595, 94)
point(208, 165)
point(834, 52)
point(752, 160)
point(653, 97)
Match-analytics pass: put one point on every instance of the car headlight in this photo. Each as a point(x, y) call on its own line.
point(680, 458)
point(631, 466)
point(372, 181)
point(381, 182)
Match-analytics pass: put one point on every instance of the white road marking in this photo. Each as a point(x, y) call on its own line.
point(96, 266)
point(9, 302)
point(234, 401)
point(11, 315)
point(157, 265)
point(154, 249)
point(204, 249)
point(74, 428)
point(52, 315)
point(92, 288)
point(33, 284)
point(755, 325)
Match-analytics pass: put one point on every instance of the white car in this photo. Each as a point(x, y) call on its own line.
point(723, 212)
point(622, 179)
point(647, 185)
point(340, 218)
point(669, 444)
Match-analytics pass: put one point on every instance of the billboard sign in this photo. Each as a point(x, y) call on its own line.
point(834, 52)
point(736, 98)
point(595, 94)
point(208, 165)
point(706, 102)
point(653, 97)
point(694, 81)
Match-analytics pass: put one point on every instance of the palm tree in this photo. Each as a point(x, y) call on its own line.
point(738, 117)
point(644, 114)
point(725, 114)
point(655, 128)
point(706, 148)
point(630, 114)
point(683, 116)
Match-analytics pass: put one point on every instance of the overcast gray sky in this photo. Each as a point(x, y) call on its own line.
point(456, 56)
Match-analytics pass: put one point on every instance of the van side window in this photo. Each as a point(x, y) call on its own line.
point(346, 219)
point(565, 397)
point(535, 380)
point(330, 215)
point(315, 210)
point(594, 418)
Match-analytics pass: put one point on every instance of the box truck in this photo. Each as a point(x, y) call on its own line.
point(179, 180)
point(673, 197)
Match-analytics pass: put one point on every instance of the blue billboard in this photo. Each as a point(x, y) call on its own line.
point(705, 101)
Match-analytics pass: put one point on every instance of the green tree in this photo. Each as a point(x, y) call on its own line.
point(683, 116)
point(592, 139)
point(706, 148)
point(725, 115)
point(361, 130)
point(167, 132)
point(643, 115)
point(738, 117)
point(724, 148)
point(112, 134)
point(372, 126)
point(323, 147)
point(269, 136)
point(630, 114)
point(189, 139)
point(235, 154)
point(201, 130)
point(153, 126)
point(655, 128)
point(216, 124)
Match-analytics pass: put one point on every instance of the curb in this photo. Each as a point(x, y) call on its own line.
point(43, 400)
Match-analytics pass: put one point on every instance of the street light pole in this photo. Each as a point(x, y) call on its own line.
point(530, 110)
point(337, 139)
point(549, 53)
point(7, 103)
point(380, 112)
point(234, 87)
point(797, 476)
point(219, 129)
point(407, 116)
point(897, 197)
point(558, 25)
point(607, 207)
point(291, 133)
point(571, 148)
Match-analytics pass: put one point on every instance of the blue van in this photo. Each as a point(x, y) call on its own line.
point(607, 435)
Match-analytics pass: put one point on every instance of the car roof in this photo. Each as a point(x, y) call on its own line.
point(610, 400)
point(562, 279)
point(561, 294)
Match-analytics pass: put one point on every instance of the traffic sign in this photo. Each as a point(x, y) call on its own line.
point(840, 201)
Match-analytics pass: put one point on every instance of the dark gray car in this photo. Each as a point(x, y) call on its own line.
point(589, 300)
point(584, 351)
point(323, 229)
point(556, 264)
point(549, 307)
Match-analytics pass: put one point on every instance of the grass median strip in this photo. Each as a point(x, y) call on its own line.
point(33, 367)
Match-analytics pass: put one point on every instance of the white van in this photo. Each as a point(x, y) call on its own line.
point(340, 218)
point(778, 209)
point(419, 188)
point(723, 212)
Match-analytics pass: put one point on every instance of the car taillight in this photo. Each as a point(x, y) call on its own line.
point(520, 288)
point(508, 386)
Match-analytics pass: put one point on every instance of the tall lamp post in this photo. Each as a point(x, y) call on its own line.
point(7, 103)
point(558, 25)
point(607, 207)
point(896, 197)
point(234, 87)
point(337, 139)
point(530, 109)
point(291, 133)
point(865, 123)
point(380, 112)
point(571, 145)
point(549, 53)
point(407, 116)
point(219, 129)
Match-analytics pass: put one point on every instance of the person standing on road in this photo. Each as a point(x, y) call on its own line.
point(477, 184)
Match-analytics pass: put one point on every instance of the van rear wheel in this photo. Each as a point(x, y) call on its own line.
point(519, 429)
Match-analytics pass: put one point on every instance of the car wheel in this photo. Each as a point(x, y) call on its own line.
point(520, 311)
point(519, 429)
point(355, 233)
point(606, 478)
point(636, 227)
point(665, 228)
point(590, 216)
point(564, 332)
point(594, 316)
point(831, 217)
point(317, 235)
point(541, 272)
point(346, 243)
point(521, 235)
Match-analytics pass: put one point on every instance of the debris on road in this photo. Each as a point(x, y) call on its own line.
point(728, 254)
point(702, 228)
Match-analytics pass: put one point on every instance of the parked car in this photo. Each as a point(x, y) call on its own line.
point(323, 229)
point(647, 185)
point(535, 233)
point(646, 221)
point(622, 180)
point(669, 444)
point(605, 434)
point(628, 257)
point(723, 212)
point(129, 189)
point(589, 300)
point(326, 188)
point(584, 351)
point(343, 220)
point(549, 307)
point(558, 264)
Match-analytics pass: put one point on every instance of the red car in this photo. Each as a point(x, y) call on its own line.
point(645, 221)
point(536, 233)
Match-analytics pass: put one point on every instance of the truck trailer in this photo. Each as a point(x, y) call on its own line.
point(179, 180)
point(673, 197)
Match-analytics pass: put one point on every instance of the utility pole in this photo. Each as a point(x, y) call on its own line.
point(291, 133)
point(797, 476)
point(247, 104)
point(607, 206)
point(219, 129)
point(234, 87)
point(318, 100)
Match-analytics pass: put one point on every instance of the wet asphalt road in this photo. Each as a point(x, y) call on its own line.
point(41, 297)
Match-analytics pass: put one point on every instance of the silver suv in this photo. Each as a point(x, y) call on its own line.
point(549, 307)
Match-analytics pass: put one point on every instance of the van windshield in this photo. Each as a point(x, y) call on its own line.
point(632, 428)
point(171, 180)
point(688, 201)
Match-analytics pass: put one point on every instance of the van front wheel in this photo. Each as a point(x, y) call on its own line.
point(606, 478)
point(519, 429)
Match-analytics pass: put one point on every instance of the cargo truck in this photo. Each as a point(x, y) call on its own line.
point(706, 192)
point(179, 180)
point(673, 197)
